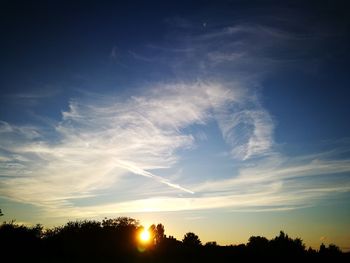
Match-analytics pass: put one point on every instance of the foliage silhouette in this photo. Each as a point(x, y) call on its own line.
point(160, 233)
point(258, 245)
point(211, 244)
point(157, 233)
point(284, 246)
point(191, 239)
point(116, 240)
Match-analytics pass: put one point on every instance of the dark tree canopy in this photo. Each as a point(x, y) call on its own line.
point(191, 239)
point(160, 233)
point(120, 222)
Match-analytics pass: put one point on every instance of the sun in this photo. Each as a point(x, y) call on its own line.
point(145, 236)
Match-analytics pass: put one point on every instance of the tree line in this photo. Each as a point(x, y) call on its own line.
point(118, 240)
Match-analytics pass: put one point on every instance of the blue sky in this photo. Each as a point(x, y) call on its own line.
point(198, 112)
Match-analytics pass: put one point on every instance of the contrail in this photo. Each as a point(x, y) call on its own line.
point(136, 170)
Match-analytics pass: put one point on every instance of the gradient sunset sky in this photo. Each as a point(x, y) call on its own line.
point(225, 118)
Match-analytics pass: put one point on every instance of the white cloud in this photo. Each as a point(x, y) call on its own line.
point(249, 132)
point(27, 131)
point(101, 141)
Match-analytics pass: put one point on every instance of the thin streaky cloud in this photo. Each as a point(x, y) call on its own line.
point(134, 169)
point(104, 140)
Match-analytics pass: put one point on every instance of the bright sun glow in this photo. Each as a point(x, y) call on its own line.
point(145, 236)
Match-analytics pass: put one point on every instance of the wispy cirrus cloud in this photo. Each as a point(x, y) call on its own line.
point(99, 141)
point(278, 184)
point(104, 141)
point(32, 96)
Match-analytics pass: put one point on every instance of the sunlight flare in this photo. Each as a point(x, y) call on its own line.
point(145, 236)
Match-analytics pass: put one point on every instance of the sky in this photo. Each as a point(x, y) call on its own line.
point(225, 118)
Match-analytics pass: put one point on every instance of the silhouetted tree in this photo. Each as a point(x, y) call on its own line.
point(322, 248)
point(19, 241)
point(120, 222)
point(191, 239)
point(153, 233)
point(160, 233)
point(311, 251)
point(284, 245)
point(156, 233)
point(258, 245)
point(333, 251)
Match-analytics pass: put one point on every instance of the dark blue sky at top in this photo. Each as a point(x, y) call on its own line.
point(51, 51)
